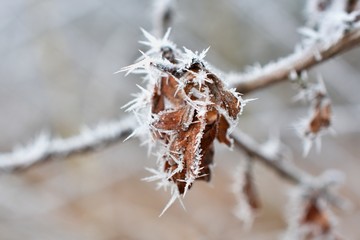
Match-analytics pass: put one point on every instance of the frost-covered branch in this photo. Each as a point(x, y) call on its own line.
point(281, 167)
point(44, 148)
point(319, 51)
point(284, 168)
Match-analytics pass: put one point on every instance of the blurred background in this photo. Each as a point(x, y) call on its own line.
point(56, 74)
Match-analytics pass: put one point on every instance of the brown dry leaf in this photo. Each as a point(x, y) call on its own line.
point(318, 222)
point(321, 118)
point(184, 147)
point(169, 90)
point(224, 98)
point(223, 126)
point(174, 119)
point(315, 216)
point(157, 103)
point(250, 191)
point(189, 133)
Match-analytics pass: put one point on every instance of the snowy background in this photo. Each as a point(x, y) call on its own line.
point(56, 74)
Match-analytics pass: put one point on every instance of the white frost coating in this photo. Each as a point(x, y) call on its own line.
point(44, 147)
point(200, 78)
point(317, 55)
point(23, 156)
point(311, 90)
point(189, 56)
point(331, 21)
point(304, 76)
point(155, 44)
point(256, 71)
point(293, 75)
point(331, 178)
point(274, 148)
point(174, 195)
point(243, 102)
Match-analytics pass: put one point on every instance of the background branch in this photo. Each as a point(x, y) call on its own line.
point(295, 63)
point(163, 12)
point(44, 148)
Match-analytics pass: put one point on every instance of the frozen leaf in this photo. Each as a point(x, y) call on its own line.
point(246, 194)
point(309, 216)
point(311, 128)
point(185, 108)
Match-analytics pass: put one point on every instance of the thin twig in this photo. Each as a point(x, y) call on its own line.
point(44, 148)
point(285, 169)
point(294, 63)
point(163, 16)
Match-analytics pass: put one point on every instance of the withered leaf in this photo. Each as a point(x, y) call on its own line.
point(185, 145)
point(224, 98)
point(223, 126)
point(321, 118)
point(157, 103)
point(175, 119)
point(191, 134)
point(250, 191)
point(169, 90)
point(316, 216)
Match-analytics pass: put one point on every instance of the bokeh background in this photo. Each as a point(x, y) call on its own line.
point(56, 74)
